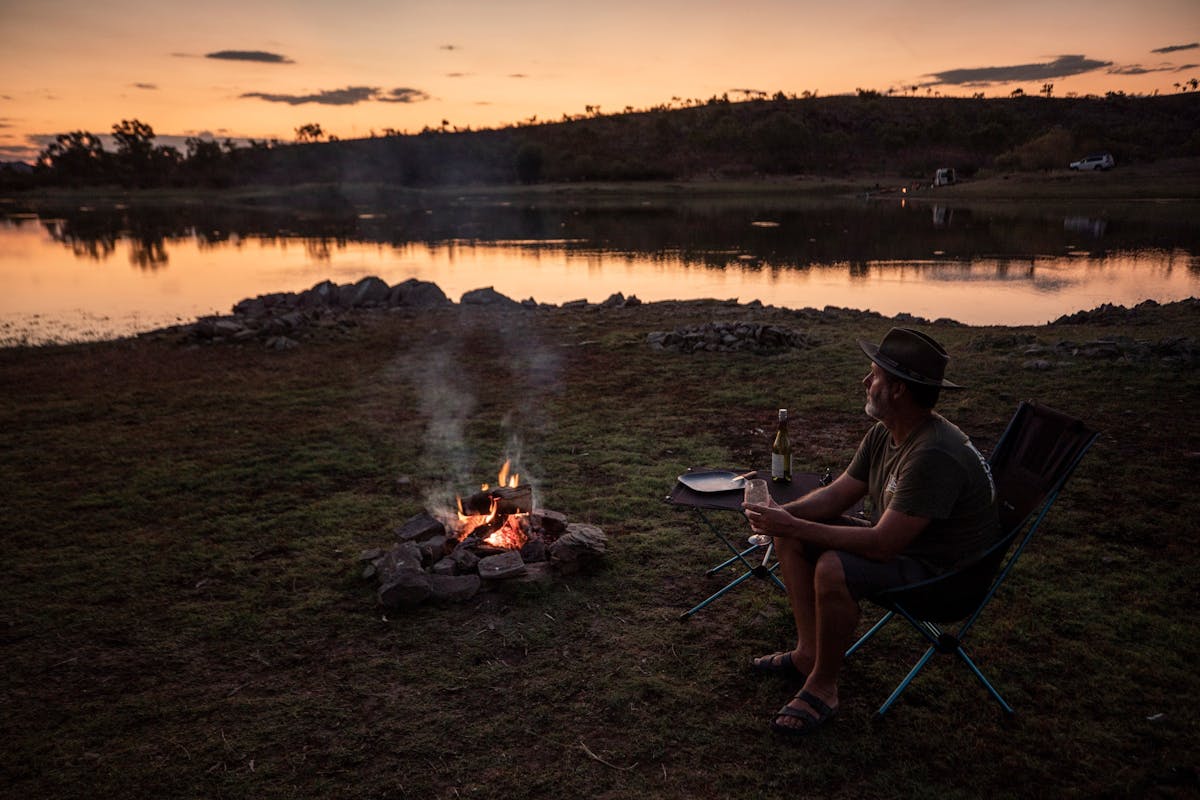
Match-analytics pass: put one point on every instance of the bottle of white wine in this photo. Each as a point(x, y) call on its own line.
point(781, 452)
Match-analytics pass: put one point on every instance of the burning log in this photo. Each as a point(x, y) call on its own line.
point(509, 500)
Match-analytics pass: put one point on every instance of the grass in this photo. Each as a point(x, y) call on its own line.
point(183, 614)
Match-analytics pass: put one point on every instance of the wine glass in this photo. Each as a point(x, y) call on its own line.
point(755, 493)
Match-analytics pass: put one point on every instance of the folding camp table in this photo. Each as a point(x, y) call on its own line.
point(701, 503)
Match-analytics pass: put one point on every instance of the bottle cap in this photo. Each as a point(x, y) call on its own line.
point(783, 413)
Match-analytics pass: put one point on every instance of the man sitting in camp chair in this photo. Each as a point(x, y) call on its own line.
point(933, 507)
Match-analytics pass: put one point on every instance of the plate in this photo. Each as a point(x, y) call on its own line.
point(712, 481)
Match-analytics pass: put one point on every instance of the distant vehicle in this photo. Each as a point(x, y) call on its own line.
point(944, 177)
point(1103, 161)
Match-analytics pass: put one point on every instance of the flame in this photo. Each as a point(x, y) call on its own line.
point(469, 522)
point(512, 533)
point(506, 480)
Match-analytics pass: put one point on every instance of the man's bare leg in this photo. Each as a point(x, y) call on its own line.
point(836, 619)
point(796, 571)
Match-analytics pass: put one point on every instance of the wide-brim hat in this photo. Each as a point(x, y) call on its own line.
point(911, 355)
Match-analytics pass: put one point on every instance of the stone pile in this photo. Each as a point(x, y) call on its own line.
point(1109, 314)
point(279, 319)
point(1179, 350)
point(727, 337)
point(427, 564)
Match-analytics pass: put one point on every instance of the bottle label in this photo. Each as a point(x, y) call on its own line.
point(780, 466)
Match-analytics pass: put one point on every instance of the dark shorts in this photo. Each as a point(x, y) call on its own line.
point(865, 577)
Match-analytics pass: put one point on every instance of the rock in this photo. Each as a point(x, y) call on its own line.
point(504, 565)
point(433, 548)
point(281, 343)
point(444, 566)
point(292, 320)
point(1100, 349)
point(322, 294)
point(551, 522)
point(1037, 364)
point(538, 574)
point(453, 588)
point(417, 294)
point(533, 551)
point(254, 307)
point(580, 546)
point(371, 554)
point(614, 301)
point(403, 557)
point(226, 327)
point(464, 559)
point(488, 297)
point(405, 589)
point(369, 291)
point(420, 528)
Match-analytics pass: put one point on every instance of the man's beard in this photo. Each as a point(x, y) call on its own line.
point(877, 407)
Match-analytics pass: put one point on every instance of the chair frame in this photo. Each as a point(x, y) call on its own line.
point(940, 641)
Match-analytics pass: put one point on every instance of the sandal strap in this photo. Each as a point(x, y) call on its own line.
point(815, 702)
point(771, 662)
point(802, 714)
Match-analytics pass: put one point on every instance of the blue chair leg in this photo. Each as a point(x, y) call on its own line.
point(986, 684)
point(718, 595)
point(895, 695)
point(884, 620)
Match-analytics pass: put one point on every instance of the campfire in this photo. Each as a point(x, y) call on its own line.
point(489, 538)
point(497, 517)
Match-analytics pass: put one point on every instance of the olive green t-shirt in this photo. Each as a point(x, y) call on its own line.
point(938, 474)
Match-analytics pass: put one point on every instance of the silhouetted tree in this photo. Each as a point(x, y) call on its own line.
point(135, 157)
point(310, 132)
point(207, 163)
point(75, 158)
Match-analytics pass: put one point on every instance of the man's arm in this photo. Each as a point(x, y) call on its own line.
point(830, 501)
point(882, 541)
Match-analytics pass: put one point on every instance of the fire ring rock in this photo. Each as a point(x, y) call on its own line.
point(403, 557)
point(503, 565)
point(420, 528)
point(580, 546)
point(453, 588)
point(405, 589)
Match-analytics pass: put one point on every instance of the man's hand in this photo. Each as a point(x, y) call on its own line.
point(771, 519)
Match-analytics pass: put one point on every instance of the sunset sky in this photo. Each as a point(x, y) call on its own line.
point(261, 69)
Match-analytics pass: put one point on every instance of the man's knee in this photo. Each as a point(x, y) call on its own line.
point(828, 575)
point(790, 549)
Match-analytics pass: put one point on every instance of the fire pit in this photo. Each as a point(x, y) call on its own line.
point(491, 537)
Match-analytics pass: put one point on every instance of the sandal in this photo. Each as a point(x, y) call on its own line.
point(809, 721)
point(780, 664)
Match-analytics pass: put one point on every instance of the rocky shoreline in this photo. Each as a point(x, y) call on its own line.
point(282, 320)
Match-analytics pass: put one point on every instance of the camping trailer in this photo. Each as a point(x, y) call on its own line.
point(944, 177)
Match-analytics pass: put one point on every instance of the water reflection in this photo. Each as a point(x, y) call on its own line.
point(930, 260)
point(702, 232)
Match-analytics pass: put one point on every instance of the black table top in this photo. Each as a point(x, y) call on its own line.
point(800, 485)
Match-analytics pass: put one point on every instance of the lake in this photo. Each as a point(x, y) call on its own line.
point(95, 273)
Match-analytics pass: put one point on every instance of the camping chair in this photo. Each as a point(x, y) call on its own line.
point(1032, 461)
